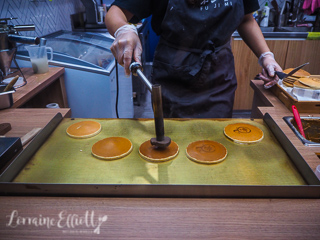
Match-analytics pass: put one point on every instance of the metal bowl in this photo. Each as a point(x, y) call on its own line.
point(6, 99)
point(311, 129)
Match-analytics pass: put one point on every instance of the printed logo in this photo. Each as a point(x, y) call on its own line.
point(242, 130)
point(215, 4)
point(67, 222)
point(206, 148)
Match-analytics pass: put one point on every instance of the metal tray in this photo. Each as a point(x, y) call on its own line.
point(310, 188)
point(306, 142)
point(6, 99)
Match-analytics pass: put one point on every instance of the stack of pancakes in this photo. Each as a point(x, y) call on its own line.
point(301, 79)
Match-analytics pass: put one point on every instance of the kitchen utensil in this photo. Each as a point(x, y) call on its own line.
point(9, 37)
point(283, 75)
point(11, 83)
point(160, 140)
point(298, 120)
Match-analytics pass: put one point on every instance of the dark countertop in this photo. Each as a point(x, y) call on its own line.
point(279, 34)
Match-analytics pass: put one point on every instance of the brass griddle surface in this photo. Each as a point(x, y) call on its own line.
point(62, 159)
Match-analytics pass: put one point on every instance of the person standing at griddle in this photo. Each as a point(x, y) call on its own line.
point(193, 61)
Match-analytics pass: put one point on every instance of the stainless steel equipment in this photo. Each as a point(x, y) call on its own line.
point(94, 14)
point(9, 37)
point(160, 140)
point(90, 74)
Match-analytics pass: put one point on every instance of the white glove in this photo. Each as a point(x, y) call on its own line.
point(126, 45)
point(269, 65)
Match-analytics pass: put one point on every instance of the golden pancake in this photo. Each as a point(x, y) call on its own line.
point(155, 154)
point(300, 85)
point(206, 151)
point(243, 133)
point(84, 129)
point(300, 73)
point(287, 84)
point(292, 79)
point(112, 148)
point(310, 82)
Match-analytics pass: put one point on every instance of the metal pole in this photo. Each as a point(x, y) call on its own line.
point(157, 110)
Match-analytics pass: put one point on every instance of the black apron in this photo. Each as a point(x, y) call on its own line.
point(193, 61)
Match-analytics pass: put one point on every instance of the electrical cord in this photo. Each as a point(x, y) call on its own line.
point(117, 89)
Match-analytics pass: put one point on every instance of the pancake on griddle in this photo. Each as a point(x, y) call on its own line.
point(206, 151)
point(84, 129)
point(243, 133)
point(152, 153)
point(112, 148)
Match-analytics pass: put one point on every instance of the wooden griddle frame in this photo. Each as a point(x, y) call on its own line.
point(7, 187)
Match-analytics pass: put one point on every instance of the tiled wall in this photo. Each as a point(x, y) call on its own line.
point(47, 16)
point(50, 16)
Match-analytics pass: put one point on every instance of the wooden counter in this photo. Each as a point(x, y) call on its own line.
point(41, 89)
point(30, 217)
point(265, 101)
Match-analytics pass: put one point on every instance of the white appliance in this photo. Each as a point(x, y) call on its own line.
point(90, 74)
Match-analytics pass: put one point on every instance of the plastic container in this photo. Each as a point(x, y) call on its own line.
point(265, 14)
point(39, 58)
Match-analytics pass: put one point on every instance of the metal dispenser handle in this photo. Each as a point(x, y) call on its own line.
point(160, 140)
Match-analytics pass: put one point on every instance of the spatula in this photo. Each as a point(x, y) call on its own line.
point(283, 75)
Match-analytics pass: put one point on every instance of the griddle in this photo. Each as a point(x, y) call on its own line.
point(77, 172)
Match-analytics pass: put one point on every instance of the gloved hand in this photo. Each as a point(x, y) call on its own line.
point(269, 65)
point(126, 45)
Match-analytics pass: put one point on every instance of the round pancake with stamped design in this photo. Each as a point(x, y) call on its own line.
point(206, 151)
point(243, 133)
point(84, 129)
point(112, 148)
point(155, 154)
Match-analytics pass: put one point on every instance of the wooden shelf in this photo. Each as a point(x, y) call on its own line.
point(41, 89)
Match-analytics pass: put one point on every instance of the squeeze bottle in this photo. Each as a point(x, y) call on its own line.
point(265, 15)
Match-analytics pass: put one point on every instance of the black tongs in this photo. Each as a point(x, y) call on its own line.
point(283, 75)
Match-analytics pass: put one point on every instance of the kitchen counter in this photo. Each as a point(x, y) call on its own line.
point(265, 101)
point(41, 89)
point(285, 35)
point(153, 218)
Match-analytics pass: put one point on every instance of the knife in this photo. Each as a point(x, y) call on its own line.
point(283, 75)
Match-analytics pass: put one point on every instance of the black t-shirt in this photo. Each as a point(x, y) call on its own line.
point(157, 8)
